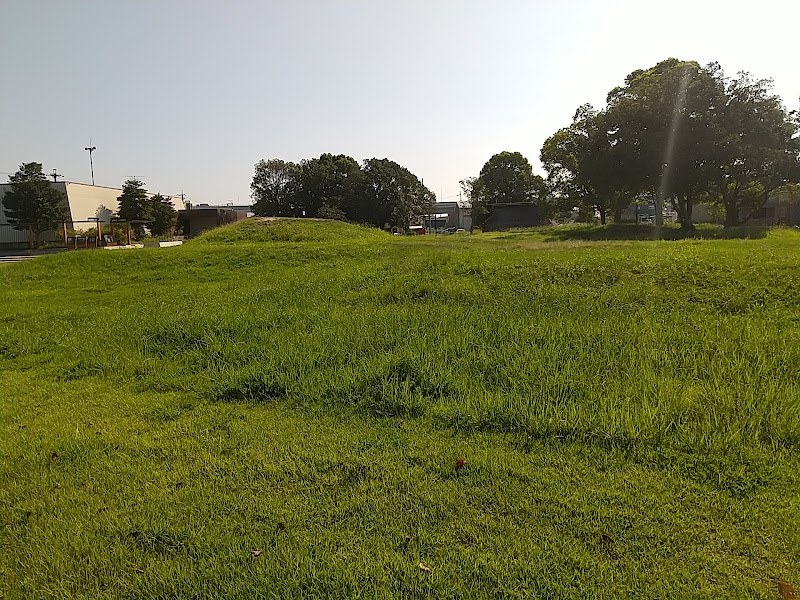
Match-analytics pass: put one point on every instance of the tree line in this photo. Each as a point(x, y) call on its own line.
point(33, 203)
point(676, 134)
point(377, 191)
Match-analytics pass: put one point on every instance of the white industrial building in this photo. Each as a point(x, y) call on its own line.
point(86, 203)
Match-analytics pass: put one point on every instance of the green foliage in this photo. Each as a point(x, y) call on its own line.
point(134, 205)
point(335, 186)
point(163, 216)
point(32, 202)
point(331, 180)
point(681, 133)
point(759, 149)
point(391, 194)
point(585, 169)
point(275, 189)
point(506, 177)
point(302, 389)
point(331, 212)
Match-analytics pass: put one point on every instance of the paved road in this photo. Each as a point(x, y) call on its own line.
point(15, 258)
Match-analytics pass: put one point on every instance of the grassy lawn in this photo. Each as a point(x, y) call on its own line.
point(276, 410)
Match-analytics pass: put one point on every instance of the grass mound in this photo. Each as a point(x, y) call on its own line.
point(261, 230)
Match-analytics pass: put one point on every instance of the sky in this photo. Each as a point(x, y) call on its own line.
point(189, 95)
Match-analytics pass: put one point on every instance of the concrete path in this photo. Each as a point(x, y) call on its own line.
point(14, 258)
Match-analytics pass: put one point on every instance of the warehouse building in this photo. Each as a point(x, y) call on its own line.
point(86, 204)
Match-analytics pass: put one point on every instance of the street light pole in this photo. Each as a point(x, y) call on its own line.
point(91, 149)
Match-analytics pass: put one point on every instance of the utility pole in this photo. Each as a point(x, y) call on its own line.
point(55, 176)
point(91, 149)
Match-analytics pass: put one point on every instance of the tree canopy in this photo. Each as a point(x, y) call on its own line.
point(507, 177)
point(134, 205)
point(274, 188)
point(32, 202)
point(379, 191)
point(163, 216)
point(679, 133)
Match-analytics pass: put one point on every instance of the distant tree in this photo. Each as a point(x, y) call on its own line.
point(104, 213)
point(163, 216)
point(585, 169)
point(506, 177)
point(331, 212)
point(389, 194)
point(32, 203)
point(330, 179)
point(471, 189)
point(663, 120)
point(134, 205)
point(758, 148)
point(275, 188)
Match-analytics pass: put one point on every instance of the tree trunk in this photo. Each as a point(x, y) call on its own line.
point(731, 214)
point(685, 213)
point(659, 210)
point(617, 214)
point(730, 200)
point(682, 206)
point(602, 216)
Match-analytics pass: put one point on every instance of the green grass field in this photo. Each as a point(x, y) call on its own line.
point(276, 410)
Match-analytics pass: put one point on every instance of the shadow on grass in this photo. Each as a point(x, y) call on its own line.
point(625, 231)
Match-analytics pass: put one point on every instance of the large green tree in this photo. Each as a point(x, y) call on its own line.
point(679, 133)
point(163, 216)
point(331, 180)
point(33, 203)
point(584, 168)
point(664, 119)
point(390, 194)
point(380, 192)
point(507, 177)
point(134, 205)
point(275, 189)
point(758, 148)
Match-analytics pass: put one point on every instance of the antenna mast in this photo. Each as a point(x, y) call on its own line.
point(91, 149)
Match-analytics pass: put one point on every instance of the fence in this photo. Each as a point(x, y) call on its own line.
point(22, 235)
point(63, 235)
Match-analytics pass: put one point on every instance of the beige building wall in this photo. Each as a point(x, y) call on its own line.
point(86, 201)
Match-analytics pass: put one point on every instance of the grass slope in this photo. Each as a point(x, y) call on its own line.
point(284, 229)
point(629, 414)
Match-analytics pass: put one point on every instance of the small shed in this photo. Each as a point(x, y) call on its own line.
point(194, 221)
point(512, 215)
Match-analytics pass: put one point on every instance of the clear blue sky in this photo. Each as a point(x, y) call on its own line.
point(188, 95)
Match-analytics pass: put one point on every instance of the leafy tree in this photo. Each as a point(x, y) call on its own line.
point(390, 194)
point(275, 188)
point(104, 213)
point(336, 186)
point(331, 212)
point(31, 202)
point(471, 188)
point(663, 118)
point(679, 133)
point(758, 148)
point(584, 168)
point(508, 177)
point(505, 178)
point(329, 179)
point(134, 205)
point(163, 216)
